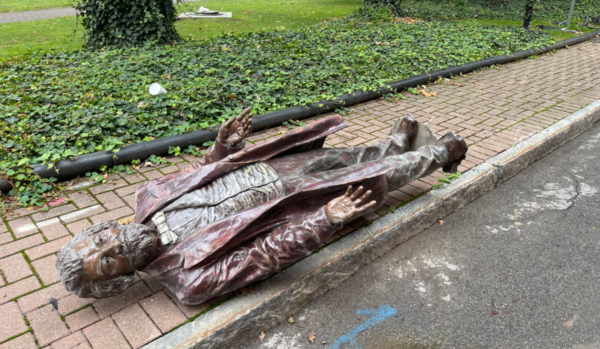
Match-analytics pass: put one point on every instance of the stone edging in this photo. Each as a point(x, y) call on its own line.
point(276, 299)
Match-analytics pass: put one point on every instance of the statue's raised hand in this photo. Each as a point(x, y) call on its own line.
point(236, 129)
point(349, 206)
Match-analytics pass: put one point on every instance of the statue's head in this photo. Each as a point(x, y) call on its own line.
point(100, 261)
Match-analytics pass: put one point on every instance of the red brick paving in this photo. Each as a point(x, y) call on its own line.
point(494, 109)
point(113, 215)
point(76, 340)
point(163, 311)
point(22, 226)
point(82, 199)
point(18, 288)
point(19, 245)
point(47, 248)
point(110, 200)
point(47, 325)
point(54, 212)
point(25, 341)
point(53, 229)
point(72, 302)
point(136, 326)
point(78, 226)
point(5, 237)
point(44, 268)
point(105, 335)
point(11, 321)
point(107, 307)
point(15, 267)
point(82, 318)
point(36, 299)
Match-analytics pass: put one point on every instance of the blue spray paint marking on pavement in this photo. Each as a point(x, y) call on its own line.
point(379, 315)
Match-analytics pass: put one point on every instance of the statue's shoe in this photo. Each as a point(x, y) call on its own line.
point(407, 125)
point(457, 150)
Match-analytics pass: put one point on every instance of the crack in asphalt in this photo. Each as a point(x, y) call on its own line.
point(571, 202)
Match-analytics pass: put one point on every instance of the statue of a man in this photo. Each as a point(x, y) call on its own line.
point(242, 214)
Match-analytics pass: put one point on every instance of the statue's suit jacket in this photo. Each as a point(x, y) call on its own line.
point(299, 212)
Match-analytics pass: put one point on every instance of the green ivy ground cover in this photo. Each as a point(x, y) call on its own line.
point(56, 106)
point(549, 10)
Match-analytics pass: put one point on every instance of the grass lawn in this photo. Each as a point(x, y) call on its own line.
point(248, 15)
point(550, 10)
point(28, 5)
point(516, 24)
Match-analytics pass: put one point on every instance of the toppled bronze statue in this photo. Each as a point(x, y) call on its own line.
point(242, 214)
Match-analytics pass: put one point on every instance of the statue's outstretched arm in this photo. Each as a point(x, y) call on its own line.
point(230, 140)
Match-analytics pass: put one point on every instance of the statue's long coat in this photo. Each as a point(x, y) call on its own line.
point(175, 268)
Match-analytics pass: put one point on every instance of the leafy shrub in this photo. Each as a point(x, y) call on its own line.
point(57, 106)
point(499, 9)
point(128, 23)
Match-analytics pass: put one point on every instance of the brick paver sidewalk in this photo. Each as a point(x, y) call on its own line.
point(493, 109)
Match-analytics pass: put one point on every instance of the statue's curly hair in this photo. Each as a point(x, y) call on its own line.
point(69, 264)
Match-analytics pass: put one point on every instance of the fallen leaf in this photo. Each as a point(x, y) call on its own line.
point(312, 336)
point(261, 336)
point(105, 176)
point(141, 104)
point(518, 224)
point(291, 320)
point(427, 94)
point(496, 312)
point(441, 222)
point(126, 220)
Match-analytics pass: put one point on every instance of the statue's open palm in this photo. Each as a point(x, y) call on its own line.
point(349, 206)
point(236, 129)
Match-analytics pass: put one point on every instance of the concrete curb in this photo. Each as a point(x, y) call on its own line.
point(279, 297)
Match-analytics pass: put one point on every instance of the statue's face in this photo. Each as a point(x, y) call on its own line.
point(104, 254)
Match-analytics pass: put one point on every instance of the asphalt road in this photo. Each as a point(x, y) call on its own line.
point(517, 268)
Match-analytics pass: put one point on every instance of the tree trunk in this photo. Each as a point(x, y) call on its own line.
point(528, 15)
point(393, 5)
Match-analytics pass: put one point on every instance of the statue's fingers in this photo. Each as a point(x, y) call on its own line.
point(248, 119)
point(244, 113)
point(230, 121)
point(363, 198)
point(247, 122)
point(224, 130)
point(348, 191)
point(245, 132)
point(357, 193)
point(365, 208)
point(248, 130)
